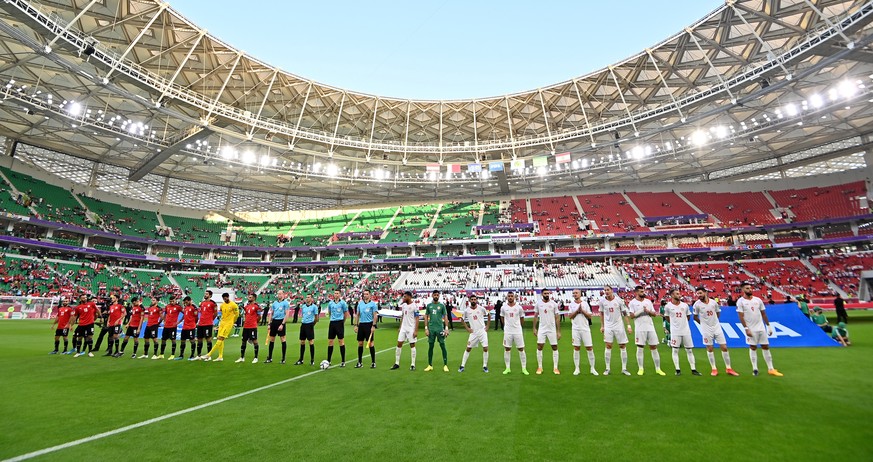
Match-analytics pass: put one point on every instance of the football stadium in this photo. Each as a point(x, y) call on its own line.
point(208, 256)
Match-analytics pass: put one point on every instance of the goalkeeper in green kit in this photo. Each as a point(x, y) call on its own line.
point(436, 328)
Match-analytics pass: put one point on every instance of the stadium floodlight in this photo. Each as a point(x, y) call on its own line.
point(331, 170)
point(699, 138)
point(847, 89)
point(47, 49)
point(265, 160)
point(638, 152)
point(791, 109)
point(541, 171)
point(816, 100)
point(248, 157)
point(317, 167)
point(228, 152)
point(74, 109)
point(721, 132)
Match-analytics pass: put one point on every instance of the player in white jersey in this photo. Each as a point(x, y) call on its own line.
point(753, 315)
point(613, 325)
point(680, 331)
point(707, 313)
point(580, 317)
point(476, 321)
point(546, 326)
point(641, 310)
point(513, 318)
point(408, 329)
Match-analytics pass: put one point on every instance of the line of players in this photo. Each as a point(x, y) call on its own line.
point(615, 315)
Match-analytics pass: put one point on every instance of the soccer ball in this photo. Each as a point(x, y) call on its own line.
point(324, 365)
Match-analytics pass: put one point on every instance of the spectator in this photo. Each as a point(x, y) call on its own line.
point(840, 306)
point(804, 307)
point(820, 320)
point(841, 334)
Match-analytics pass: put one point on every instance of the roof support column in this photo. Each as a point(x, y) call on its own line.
point(118, 61)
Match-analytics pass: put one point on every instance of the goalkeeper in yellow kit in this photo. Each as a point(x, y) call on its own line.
point(229, 313)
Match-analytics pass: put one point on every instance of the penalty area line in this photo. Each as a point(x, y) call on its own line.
point(106, 434)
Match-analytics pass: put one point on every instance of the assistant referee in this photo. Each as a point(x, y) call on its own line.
point(279, 313)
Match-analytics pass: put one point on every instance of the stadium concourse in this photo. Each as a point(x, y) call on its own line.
point(193, 201)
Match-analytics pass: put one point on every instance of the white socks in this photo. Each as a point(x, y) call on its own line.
point(506, 358)
point(768, 359)
point(397, 355)
point(523, 356)
point(753, 355)
point(607, 356)
point(711, 356)
point(413, 355)
point(640, 357)
point(690, 353)
point(656, 357)
point(540, 359)
point(555, 359)
point(484, 359)
point(576, 359)
point(624, 359)
point(464, 359)
point(676, 358)
point(591, 358)
point(727, 359)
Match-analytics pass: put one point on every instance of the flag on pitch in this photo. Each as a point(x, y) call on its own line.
point(562, 158)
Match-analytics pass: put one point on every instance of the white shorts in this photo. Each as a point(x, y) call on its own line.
point(513, 339)
point(679, 341)
point(582, 337)
point(758, 338)
point(406, 336)
point(551, 336)
point(711, 336)
point(646, 337)
point(615, 336)
point(478, 338)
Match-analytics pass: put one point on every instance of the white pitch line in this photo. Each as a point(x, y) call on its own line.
point(41, 452)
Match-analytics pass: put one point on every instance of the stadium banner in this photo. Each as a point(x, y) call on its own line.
point(453, 168)
point(517, 164)
point(495, 166)
point(433, 168)
point(474, 168)
point(790, 329)
point(562, 158)
point(540, 161)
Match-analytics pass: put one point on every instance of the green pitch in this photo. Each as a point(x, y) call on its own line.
point(821, 408)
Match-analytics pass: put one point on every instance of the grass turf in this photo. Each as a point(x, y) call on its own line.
point(820, 408)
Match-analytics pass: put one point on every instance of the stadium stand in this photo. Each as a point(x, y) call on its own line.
point(610, 212)
point(456, 220)
point(735, 209)
point(52, 202)
point(660, 204)
point(555, 215)
point(818, 203)
point(410, 222)
point(790, 276)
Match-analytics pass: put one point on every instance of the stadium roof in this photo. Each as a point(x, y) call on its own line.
point(136, 90)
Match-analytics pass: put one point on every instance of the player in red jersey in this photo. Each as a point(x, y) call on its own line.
point(250, 327)
point(86, 311)
point(208, 308)
point(171, 323)
point(133, 325)
point(62, 320)
point(189, 325)
point(113, 321)
point(154, 316)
